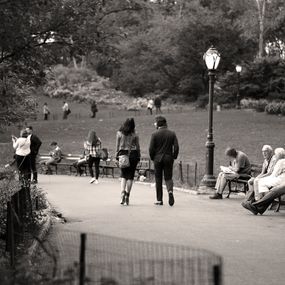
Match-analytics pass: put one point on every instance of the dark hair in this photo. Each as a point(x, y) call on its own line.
point(160, 121)
point(53, 144)
point(231, 152)
point(30, 127)
point(24, 133)
point(128, 127)
point(92, 138)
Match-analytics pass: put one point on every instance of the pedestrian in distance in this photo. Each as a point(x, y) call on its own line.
point(150, 105)
point(94, 108)
point(66, 110)
point(35, 146)
point(92, 148)
point(157, 104)
point(46, 111)
point(127, 144)
point(163, 150)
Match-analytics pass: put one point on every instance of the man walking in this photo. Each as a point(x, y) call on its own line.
point(65, 109)
point(35, 146)
point(163, 150)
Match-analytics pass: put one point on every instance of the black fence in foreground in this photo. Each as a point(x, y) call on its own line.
point(101, 259)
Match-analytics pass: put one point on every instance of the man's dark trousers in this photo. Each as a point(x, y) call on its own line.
point(163, 167)
point(34, 167)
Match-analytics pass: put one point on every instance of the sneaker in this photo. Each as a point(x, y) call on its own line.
point(96, 181)
point(216, 196)
point(170, 199)
point(92, 180)
point(158, 203)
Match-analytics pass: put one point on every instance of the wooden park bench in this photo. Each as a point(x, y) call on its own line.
point(144, 168)
point(243, 179)
point(67, 160)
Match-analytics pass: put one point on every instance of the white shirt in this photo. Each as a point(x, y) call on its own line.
point(65, 107)
point(150, 104)
point(22, 146)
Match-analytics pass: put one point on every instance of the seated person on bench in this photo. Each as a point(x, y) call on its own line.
point(273, 186)
point(239, 165)
point(80, 162)
point(55, 157)
point(267, 168)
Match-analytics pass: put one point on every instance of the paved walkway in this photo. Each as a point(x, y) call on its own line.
point(252, 247)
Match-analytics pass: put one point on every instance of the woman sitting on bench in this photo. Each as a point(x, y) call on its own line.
point(55, 157)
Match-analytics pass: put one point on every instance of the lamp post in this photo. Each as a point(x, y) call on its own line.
point(212, 59)
point(238, 70)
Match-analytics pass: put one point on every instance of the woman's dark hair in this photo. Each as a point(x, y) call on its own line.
point(92, 138)
point(231, 152)
point(128, 127)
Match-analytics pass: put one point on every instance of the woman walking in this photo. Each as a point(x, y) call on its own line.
point(127, 143)
point(92, 145)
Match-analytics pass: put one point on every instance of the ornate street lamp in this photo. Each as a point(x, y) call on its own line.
point(238, 70)
point(212, 60)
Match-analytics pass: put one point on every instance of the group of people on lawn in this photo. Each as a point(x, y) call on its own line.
point(265, 187)
point(163, 150)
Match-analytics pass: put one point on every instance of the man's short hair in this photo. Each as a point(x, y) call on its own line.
point(231, 152)
point(53, 144)
point(160, 121)
point(30, 127)
point(267, 147)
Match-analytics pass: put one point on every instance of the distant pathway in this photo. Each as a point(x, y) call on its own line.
point(253, 247)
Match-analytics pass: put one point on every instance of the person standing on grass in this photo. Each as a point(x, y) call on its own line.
point(157, 104)
point(46, 111)
point(92, 146)
point(65, 109)
point(22, 147)
point(150, 105)
point(127, 143)
point(35, 146)
point(163, 150)
point(94, 109)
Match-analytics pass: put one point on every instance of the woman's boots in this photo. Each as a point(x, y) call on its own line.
point(125, 198)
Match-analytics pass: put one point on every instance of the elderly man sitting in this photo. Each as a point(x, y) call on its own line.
point(267, 168)
point(272, 185)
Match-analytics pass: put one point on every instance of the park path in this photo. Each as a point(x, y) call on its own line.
point(252, 247)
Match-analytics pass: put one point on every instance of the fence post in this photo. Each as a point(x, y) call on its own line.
point(82, 259)
point(181, 172)
point(217, 274)
point(10, 242)
point(195, 174)
point(187, 174)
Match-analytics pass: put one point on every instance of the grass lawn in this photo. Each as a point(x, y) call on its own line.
point(244, 129)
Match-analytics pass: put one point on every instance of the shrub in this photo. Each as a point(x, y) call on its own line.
point(258, 105)
point(202, 101)
point(274, 108)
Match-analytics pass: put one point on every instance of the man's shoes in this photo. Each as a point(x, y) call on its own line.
point(216, 196)
point(92, 180)
point(158, 203)
point(247, 205)
point(170, 199)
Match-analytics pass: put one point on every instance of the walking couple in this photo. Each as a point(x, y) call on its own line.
point(163, 149)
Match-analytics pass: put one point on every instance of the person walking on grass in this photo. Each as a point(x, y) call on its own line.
point(66, 110)
point(163, 150)
point(35, 146)
point(127, 143)
point(46, 111)
point(94, 108)
point(92, 146)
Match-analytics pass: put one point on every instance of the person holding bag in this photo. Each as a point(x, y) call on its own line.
point(128, 155)
point(93, 145)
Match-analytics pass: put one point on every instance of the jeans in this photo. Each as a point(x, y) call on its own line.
point(164, 167)
point(94, 160)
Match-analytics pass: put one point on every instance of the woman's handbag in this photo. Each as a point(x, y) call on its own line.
point(124, 161)
point(103, 153)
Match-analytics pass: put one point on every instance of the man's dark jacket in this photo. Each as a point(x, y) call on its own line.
point(163, 142)
point(35, 144)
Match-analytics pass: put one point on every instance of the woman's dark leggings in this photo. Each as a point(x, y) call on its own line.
point(96, 161)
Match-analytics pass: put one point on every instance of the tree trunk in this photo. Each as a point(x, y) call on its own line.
point(261, 6)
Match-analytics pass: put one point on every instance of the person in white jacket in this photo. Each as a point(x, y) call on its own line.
point(22, 147)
